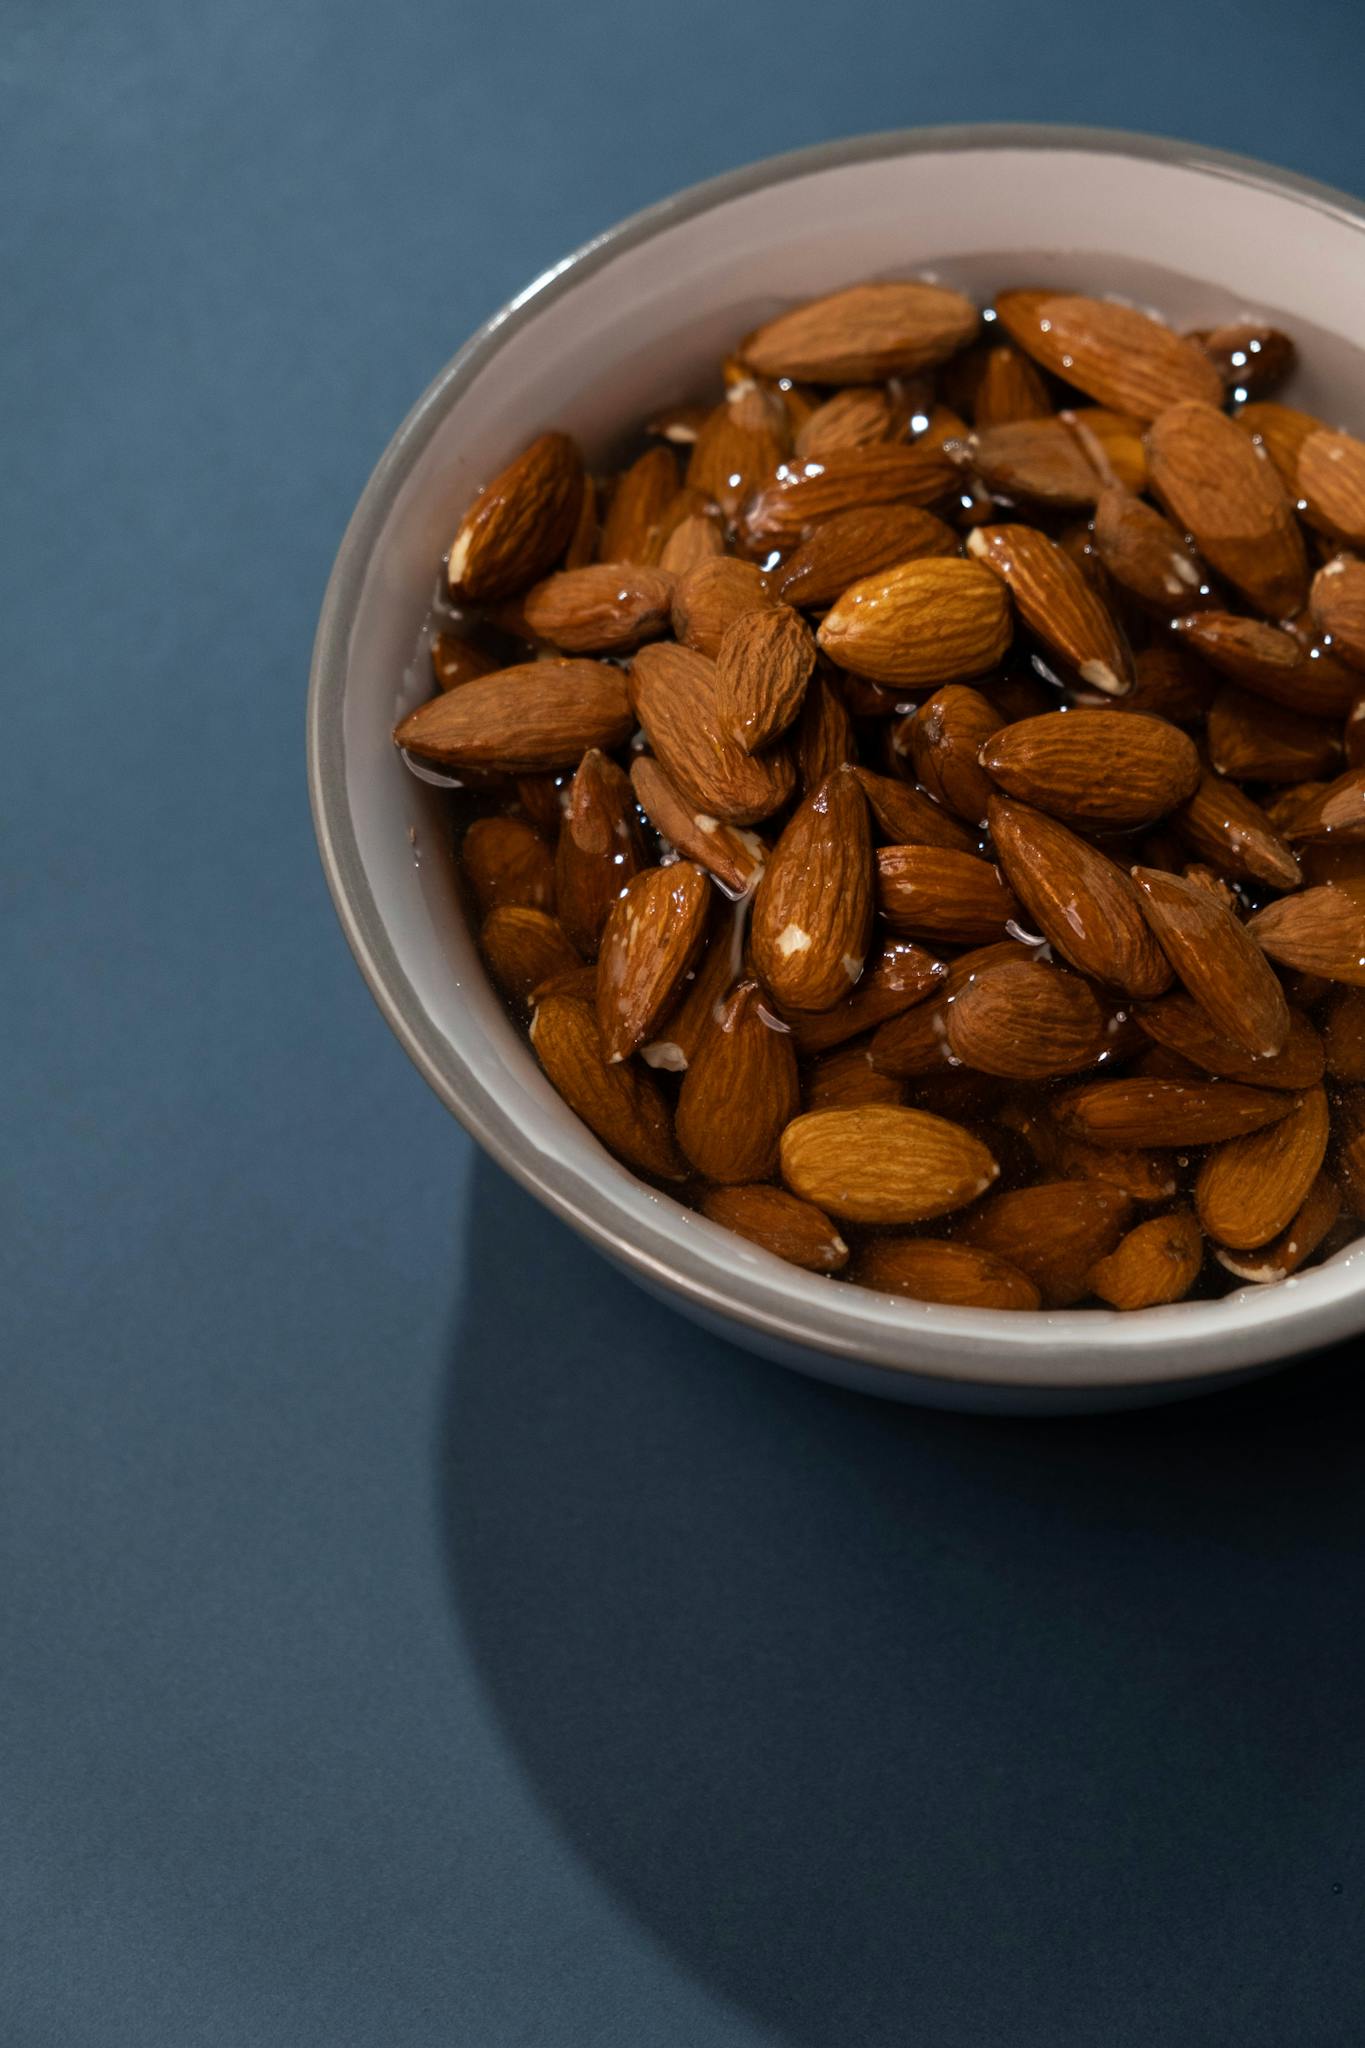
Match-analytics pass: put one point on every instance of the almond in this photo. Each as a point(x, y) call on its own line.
point(1336, 812)
point(812, 912)
point(739, 446)
point(1009, 390)
point(1093, 767)
point(1157, 1262)
point(1286, 1253)
point(863, 334)
point(1183, 1025)
point(782, 1224)
point(1256, 741)
point(1250, 1190)
point(1343, 1034)
point(1350, 1159)
point(1038, 460)
point(824, 733)
point(652, 938)
point(907, 817)
point(926, 892)
point(694, 540)
point(1222, 968)
point(739, 1092)
point(733, 856)
point(1232, 832)
point(846, 1078)
point(883, 1164)
point(1250, 356)
point(1113, 353)
point(1056, 604)
point(709, 599)
point(803, 493)
point(536, 716)
point(679, 424)
point(1054, 1233)
point(1114, 443)
point(1146, 1113)
point(608, 607)
point(1271, 663)
point(1217, 486)
point(578, 981)
point(945, 738)
point(764, 664)
point(1169, 683)
point(701, 1001)
point(637, 505)
point(899, 976)
point(1145, 1176)
point(1331, 483)
point(1320, 930)
point(1027, 1022)
point(1279, 431)
point(520, 523)
point(507, 863)
point(914, 1045)
point(1082, 902)
point(524, 947)
point(1145, 554)
point(924, 623)
point(676, 699)
point(934, 1269)
point(857, 418)
point(1337, 600)
point(455, 661)
point(619, 1104)
point(538, 796)
point(600, 848)
point(849, 546)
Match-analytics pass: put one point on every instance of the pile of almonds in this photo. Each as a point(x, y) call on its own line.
point(919, 804)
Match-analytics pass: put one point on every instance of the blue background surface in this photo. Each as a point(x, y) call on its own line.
point(410, 1633)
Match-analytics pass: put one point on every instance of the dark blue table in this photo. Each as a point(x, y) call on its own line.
point(410, 1633)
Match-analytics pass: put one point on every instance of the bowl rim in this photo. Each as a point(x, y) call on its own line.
point(990, 1348)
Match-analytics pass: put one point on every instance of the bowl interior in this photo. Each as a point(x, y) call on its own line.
point(640, 318)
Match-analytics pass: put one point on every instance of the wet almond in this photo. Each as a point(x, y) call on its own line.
point(765, 661)
point(926, 892)
point(1057, 605)
point(844, 549)
point(712, 596)
point(1220, 965)
point(928, 622)
point(884, 1164)
point(654, 932)
point(781, 1223)
point(863, 334)
point(620, 1104)
point(1156, 1262)
point(1082, 902)
point(812, 915)
point(739, 1092)
point(1217, 486)
point(1093, 768)
point(1123, 358)
point(937, 1269)
point(1251, 1189)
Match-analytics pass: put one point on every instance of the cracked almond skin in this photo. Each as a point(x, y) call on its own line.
point(894, 980)
point(520, 523)
point(1221, 967)
point(863, 334)
point(1142, 1113)
point(1123, 358)
point(524, 720)
point(1158, 1261)
point(1181, 1024)
point(945, 737)
point(926, 892)
point(739, 1092)
point(1337, 602)
point(879, 1163)
point(1223, 826)
point(1026, 1021)
point(1057, 604)
point(651, 941)
point(1082, 902)
point(735, 857)
point(1215, 485)
point(812, 914)
point(603, 608)
point(1331, 485)
point(524, 948)
point(781, 1223)
point(1093, 768)
point(1054, 1232)
point(1145, 554)
point(1286, 1253)
point(639, 501)
point(621, 1105)
point(939, 620)
point(1319, 931)
point(709, 599)
point(1253, 740)
point(802, 494)
point(940, 1270)
point(762, 669)
point(675, 695)
point(1250, 1190)
point(506, 862)
point(907, 817)
point(844, 549)
point(600, 848)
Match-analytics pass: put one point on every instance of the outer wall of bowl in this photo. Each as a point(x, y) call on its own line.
point(640, 316)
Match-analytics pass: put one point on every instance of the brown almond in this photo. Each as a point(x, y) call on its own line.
point(1343, 1034)
point(824, 732)
point(884, 1164)
point(733, 856)
point(739, 446)
point(651, 940)
point(1054, 1232)
point(845, 1078)
point(519, 524)
point(1026, 1021)
point(907, 817)
point(1082, 902)
point(895, 979)
point(1093, 767)
point(1271, 663)
point(1144, 1113)
point(860, 417)
point(781, 1223)
point(1159, 1261)
point(538, 796)
point(863, 334)
point(1145, 1176)
point(1252, 740)
point(914, 1045)
point(1226, 828)
point(1250, 1189)
point(1145, 554)
point(1280, 431)
point(1222, 968)
point(524, 947)
point(804, 493)
point(1180, 1023)
point(1337, 601)
point(1250, 356)
point(506, 862)
point(700, 1002)
point(812, 914)
point(621, 1105)
point(579, 982)
point(935, 1269)
point(455, 661)
point(927, 892)
point(600, 848)
point(675, 695)
point(1335, 812)
point(692, 541)
point(709, 599)
point(1331, 485)
point(607, 607)
point(638, 503)
point(1009, 390)
point(764, 664)
point(1321, 931)
point(1217, 486)
point(945, 738)
point(849, 546)
point(1039, 461)
point(739, 1092)
point(1113, 353)
point(1286, 1253)
point(1113, 442)
point(928, 622)
point(537, 716)
point(1056, 604)
point(1170, 683)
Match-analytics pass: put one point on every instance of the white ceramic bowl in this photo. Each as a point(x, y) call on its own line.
point(640, 316)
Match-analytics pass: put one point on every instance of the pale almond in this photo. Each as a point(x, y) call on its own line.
point(884, 1164)
point(926, 622)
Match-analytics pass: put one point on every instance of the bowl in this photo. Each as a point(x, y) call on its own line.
point(640, 316)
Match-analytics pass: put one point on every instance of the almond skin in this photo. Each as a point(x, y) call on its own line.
point(1010, 389)
point(524, 947)
point(1337, 601)
point(1039, 461)
point(1216, 486)
point(857, 418)
point(883, 1164)
point(1054, 1233)
point(1113, 441)
point(600, 848)
point(925, 892)
point(675, 695)
point(849, 546)
point(935, 1269)
point(1169, 683)
point(455, 661)
point(895, 979)
point(804, 493)
point(709, 599)
point(1082, 902)
point(1321, 931)
point(927, 622)
point(1286, 1253)
point(945, 737)
point(537, 716)
point(520, 523)
point(1343, 1034)
point(1057, 604)
point(1223, 826)
point(1249, 355)
point(579, 982)
point(739, 1092)
point(846, 1077)
point(1250, 1190)
point(637, 505)
point(1183, 1025)
point(1113, 353)
point(733, 856)
point(907, 817)
point(1279, 431)
point(1336, 812)
point(651, 941)
point(702, 996)
point(864, 334)
point(508, 863)
point(739, 446)
point(608, 607)
point(1255, 741)
point(1026, 1021)
point(824, 733)
point(620, 1104)
point(692, 541)
point(1222, 968)
point(1145, 1113)
point(914, 1045)
point(1159, 1261)
point(1271, 663)
point(1145, 554)
point(812, 914)
point(1331, 480)
point(764, 664)
point(781, 1223)
point(1092, 767)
